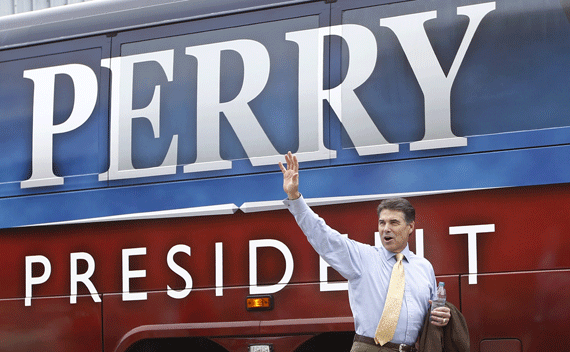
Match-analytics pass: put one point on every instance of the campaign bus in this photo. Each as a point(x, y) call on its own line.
point(140, 193)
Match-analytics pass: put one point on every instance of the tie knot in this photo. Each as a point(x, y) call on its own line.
point(399, 257)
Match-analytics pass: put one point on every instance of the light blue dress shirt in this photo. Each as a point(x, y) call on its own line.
point(368, 270)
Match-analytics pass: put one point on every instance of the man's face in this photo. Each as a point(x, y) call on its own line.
point(394, 231)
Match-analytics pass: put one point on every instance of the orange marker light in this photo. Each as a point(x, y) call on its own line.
point(259, 303)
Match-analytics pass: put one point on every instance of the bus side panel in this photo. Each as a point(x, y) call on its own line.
point(298, 309)
point(51, 324)
point(531, 307)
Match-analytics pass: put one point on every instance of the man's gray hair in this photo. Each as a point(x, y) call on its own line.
point(399, 204)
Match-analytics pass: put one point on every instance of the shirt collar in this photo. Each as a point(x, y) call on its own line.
point(389, 255)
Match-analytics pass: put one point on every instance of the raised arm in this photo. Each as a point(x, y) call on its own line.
point(340, 252)
point(291, 176)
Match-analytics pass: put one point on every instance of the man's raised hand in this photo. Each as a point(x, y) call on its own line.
point(291, 176)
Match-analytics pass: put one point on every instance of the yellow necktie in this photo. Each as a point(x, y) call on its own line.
point(391, 313)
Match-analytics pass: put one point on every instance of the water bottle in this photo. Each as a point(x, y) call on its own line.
point(441, 297)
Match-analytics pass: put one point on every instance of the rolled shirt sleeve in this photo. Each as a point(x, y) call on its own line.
point(341, 253)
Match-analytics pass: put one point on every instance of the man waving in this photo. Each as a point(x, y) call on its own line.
point(390, 288)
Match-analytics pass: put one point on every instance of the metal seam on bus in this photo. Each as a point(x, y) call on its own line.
point(221, 209)
point(253, 207)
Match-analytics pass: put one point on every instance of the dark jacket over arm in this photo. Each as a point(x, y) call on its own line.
point(454, 337)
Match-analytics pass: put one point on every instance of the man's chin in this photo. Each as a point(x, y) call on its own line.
point(389, 246)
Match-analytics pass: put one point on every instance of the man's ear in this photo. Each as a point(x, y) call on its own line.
point(412, 227)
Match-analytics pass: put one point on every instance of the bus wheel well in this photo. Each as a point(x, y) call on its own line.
point(178, 344)
point(338, 341)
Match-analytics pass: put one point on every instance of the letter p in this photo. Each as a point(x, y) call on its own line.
point(30, 280)
point(85, 97)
